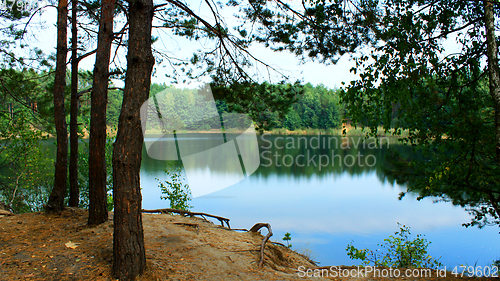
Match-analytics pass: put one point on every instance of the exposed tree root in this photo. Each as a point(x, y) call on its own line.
point(222, 220)
point(256, 228)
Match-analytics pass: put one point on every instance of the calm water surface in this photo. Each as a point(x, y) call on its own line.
point(325, 205)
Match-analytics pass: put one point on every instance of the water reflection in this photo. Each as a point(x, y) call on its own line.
point(326, 206)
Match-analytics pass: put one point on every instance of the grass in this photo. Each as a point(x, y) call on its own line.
point(350, 131)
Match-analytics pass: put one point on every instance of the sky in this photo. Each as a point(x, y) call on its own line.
point(310, 72)
point(313, 72)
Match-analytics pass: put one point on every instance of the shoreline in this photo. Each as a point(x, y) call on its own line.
point(350, 132)
point(177, 248)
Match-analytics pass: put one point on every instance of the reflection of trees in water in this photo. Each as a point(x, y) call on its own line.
point(26, 173)
point(355, 159)
point(443, 171)
point(297, 156)
point(391, 165)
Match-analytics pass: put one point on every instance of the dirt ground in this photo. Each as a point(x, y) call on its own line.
point(39, 246)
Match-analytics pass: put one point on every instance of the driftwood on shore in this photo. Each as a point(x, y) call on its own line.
point(189, 213)
point(256, 228)
point(6, 213)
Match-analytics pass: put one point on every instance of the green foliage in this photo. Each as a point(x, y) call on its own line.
point(177, 192)
point(261, 101)
point(287, 238)
point(322, 30)
point(28, 92)
point(114, 105)
point(270, 105)
point(398, 251)
point(156, 88)
point(317, 108)
point(26, 168)
point(410, 82)
point(283, 105)
point(183, 104)
point(111, 204)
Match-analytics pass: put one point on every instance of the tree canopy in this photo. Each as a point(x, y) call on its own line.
point(443, 98)
point(429, 68)
point(447, 100)
point(410, 80)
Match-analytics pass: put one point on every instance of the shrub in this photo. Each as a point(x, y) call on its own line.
point(177, 192)
point(287, 238)
point(397, 251)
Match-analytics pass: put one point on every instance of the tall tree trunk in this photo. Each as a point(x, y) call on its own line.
point(494, 78)
point(98, 207)
point(129, 258)
point(74, 189)
point(56, 199)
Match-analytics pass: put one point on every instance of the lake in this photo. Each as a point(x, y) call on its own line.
point(326, 191)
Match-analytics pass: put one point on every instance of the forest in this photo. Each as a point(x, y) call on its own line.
point(444, 104)
point(313, 107)
point(28, 118)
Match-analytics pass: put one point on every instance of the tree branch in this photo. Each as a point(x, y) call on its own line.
point(183, 212)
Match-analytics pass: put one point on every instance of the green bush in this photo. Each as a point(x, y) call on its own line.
point(397, 251)
point(26, 169)
point(177, 192)
point(287, 238)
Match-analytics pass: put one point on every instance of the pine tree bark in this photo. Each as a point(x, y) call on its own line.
point(74, 189)
point(98, 207)
point(494, 79)
point(56, 198)
point(129, 258)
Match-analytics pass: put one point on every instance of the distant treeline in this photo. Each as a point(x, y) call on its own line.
point(28, 95)
point(315, 107)
point(287, 106)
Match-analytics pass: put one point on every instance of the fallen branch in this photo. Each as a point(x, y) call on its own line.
point(237, 229)
point(188, 213)
point(256, 228)
point(281, 244)
point(6, 213)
